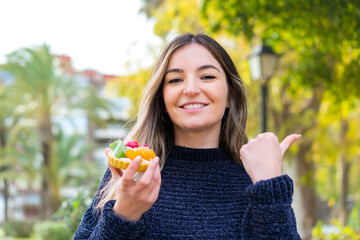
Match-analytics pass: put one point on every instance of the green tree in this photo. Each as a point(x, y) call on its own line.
point(172, 15)
point(129, 86)
point(5, 165)
point(17, 148)
point(40, 91)
point(323, 37)
point(66, 169)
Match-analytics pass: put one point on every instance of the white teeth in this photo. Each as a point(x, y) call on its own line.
point(192, 106)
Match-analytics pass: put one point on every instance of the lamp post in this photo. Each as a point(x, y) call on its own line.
point(262, 63)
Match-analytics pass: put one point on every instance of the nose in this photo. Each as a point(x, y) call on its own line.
point(191, 88)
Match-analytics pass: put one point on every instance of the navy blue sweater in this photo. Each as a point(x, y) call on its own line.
point(203, 195)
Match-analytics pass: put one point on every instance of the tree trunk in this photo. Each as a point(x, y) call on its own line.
point(304, 165)
point(46, 140)
point(344, 174)
point(305, 173)
point(45, 191)
point(6, 199)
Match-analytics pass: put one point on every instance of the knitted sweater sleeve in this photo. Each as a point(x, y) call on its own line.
point(269, 214)
point(106, 224)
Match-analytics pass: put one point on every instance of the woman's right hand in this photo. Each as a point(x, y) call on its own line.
point(133, 199)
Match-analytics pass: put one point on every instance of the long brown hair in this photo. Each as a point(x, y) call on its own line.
point(154, 127)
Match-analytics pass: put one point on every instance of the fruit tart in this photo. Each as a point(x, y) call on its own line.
point(120, 155)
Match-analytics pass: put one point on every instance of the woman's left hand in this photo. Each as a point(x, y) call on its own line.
point(262, 156)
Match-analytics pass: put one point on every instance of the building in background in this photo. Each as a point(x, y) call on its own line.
point(115, 120)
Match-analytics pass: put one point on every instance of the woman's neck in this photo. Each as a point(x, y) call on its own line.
point(197, 139)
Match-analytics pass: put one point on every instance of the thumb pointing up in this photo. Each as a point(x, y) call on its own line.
point(288, 141)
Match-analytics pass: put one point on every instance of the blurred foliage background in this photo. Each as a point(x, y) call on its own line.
point(315, 92)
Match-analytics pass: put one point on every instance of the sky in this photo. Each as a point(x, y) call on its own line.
point(103, 35)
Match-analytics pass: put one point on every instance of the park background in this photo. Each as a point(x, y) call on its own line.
point(56, 119)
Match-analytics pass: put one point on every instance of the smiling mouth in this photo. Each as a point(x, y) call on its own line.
point(193, 106)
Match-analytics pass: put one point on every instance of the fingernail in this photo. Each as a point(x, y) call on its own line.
point(156, 160)
point(298, 136)
point(137, 159)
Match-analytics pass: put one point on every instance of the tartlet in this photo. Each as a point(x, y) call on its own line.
point(120, 155)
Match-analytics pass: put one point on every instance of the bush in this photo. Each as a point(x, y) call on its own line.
point(334, 232)
point(73, 208)
point(354, 218)
point(18, 229)
point(51, 230)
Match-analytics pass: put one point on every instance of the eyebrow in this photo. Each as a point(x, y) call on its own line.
point(178, 70)
point(206, 67)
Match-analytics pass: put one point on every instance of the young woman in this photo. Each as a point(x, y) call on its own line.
point(208, 182)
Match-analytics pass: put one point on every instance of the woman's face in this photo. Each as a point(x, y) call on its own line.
point(195, 90)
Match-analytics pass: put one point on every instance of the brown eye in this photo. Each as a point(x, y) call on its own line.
point(207, 77)
point(175, 80)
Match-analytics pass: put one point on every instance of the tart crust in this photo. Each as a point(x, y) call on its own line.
point(123, 163)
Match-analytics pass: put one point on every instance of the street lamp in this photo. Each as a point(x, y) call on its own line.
point(262, 63)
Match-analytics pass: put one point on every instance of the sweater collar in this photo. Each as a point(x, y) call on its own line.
point(198, 154)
